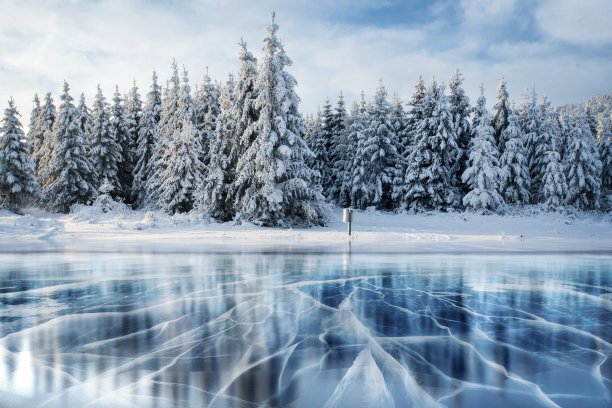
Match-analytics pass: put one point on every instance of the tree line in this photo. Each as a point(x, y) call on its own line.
point(242, 150)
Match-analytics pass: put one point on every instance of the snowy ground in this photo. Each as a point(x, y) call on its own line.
point(88, 229)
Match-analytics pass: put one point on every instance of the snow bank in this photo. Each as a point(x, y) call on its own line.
point(124, 230)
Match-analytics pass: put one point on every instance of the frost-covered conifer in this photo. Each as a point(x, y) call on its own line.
point(483, 173)
point(555, 184)
point(213, 196)
point(206, 111)
point(42, 141)
point(104, 151)
point(168, 124)
point(590, 118)
point(33, 129)
point(245, 95)
point(84, 116)
point(605, 153)
point(66, 179)
point(416, 112)
point(357, 134)
point(515, 181)
point(119, 131)
point(17, 181)
point(183, 171)
point(545, 142)
point(104, 200)
point(583, 167)
point(133, 116)
point(322, 148)
point(459, 106)
point(530, 125)
point(501, 112)
point(340, 154)
point(273, 176)
point(145, 143)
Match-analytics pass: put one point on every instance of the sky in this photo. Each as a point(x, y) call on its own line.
point(563, 47)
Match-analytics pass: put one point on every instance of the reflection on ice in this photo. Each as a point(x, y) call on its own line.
point(305, 330)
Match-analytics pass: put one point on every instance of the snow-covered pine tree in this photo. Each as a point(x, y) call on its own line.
point(133, 115)
point(590, 118)
point(245, 95)
point(43, 142)
point(379, 152)
point(18, 184)
point(515, 181)
point(278, 184)
point(84, 115)
point(33, 129)
point(416, 113)
point(357, 135)
point(339, 153)
point(183, 171)
point(604, 144)
point(459, 106)
point(583, 167)
point(206, 111)
point(546, 141)
point(69, 169)
point(399, 121)
point(104, 200)
point(351, 141)
point(530, 125)
point(483, 173)
point(564, 130)
point(316, 143)
point(168, 123)
point(323, 149)
point(104, 151)
point(118, 130)
point(555, 184)
point(145, 143)
point(501, 114)
point(213, 195)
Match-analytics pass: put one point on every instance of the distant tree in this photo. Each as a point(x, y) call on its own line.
point(69, 169)
point(501, 112)
point(555, 184)
point(104, 151)
point(583, 167)
point(17, 181)
point(183, 172)
point(145, 143)
point(84, 116)
point(323, 149)
point(119, 131)
point(483, 173)
point(42, 140)
point(515, 181)
point(276, 181)
point(133, 117)
point(546, 142)
point(360, 193)
point(604, 144)
point(339, 153)
point(460, 110)
point(34, 128)
point(206, 111)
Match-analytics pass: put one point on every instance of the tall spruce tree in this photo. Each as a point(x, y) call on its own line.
point(339, 153)
point(279, 191)
point(583, 167)
point(133, 116)
point(18, 184)
point(483, 173)
point(515, 181)
point(43, 142)
point(183, 172)
point(33, 129)
point(501, 115)
point(360, 193)
point(555, 184)
point(206, 111)
point(145, 143)
point(460, 110)
point(545, 142)
point(66, 182)
point(323, 156)
point(213, 196)
point(84, 115)
point(530, 125)
point(119, 131)
point(104, 151)
point(604, 144)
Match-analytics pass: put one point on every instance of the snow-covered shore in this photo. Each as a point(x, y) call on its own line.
point(87, 229)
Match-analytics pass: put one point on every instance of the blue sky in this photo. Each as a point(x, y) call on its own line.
point(564, 47)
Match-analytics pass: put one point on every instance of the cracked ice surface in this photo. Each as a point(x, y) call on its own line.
point(305, 330)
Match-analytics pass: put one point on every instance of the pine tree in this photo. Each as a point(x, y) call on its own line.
point(590, 119)
point(42, 141)
point(133, 116)
point(530, 125)
point(206, 111)
point(118, 129)
point(459, 106)
point(546, 142)
point(357, 135)
point(501, 115)
point(278, 191)
point(69, 168)
point(213, 197)
point(339, 153)
point(515, 181)
point(555, 184)
point(84, 115)
point(33, 129)
point(104, 151)
point(583, 167)
point(145, 144)
point(605, 153)
point(183, 172)
point(323, 160)
point(483, 173)
point(168, 124)
point(17, 181)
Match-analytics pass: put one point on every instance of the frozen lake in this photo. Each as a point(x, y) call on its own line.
point(305, 330)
